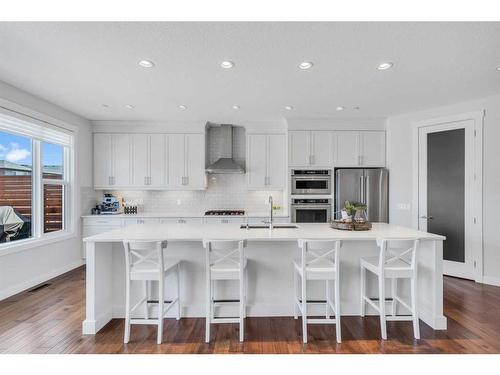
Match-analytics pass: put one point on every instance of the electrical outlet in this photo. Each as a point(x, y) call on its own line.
point(403, 206)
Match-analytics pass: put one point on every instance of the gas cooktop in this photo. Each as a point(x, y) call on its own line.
point(225, 213)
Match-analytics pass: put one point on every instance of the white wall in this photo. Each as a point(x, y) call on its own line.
point(400, 163)
point(26, 268)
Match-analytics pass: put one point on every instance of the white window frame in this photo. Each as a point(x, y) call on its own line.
point(39, 132)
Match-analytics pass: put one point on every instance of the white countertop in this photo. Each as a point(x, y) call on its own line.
point(188, 232)
point(185, 214)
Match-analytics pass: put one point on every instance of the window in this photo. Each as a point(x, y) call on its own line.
point(35, 183)
point(16, 187)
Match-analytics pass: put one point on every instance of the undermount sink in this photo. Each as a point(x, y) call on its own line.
point(266, 226)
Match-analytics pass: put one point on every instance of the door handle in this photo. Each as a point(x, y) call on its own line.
point(427, 217)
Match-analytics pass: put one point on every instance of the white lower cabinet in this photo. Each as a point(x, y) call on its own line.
point(224, 220)
point(135, 221)
point(181, 220)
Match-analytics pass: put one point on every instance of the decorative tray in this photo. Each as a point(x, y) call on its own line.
point(337, 224)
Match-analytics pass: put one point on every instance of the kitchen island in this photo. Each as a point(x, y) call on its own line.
point(270, 273)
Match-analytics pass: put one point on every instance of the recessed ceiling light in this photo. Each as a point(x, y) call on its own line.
point(236, 107)
point(385, 66)
point(498, 68)
point(227, 64)
point(305, 65)
point(129, 106)
point(105, 105)
point(146, 63)
point(182, 107)
point(340, 108)
point(355, 108)
point(288, 107)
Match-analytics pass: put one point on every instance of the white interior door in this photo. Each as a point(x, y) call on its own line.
point(445, 194)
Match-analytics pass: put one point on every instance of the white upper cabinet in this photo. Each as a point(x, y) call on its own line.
point(195, 177)
point(121, 157)
point(266, 161)
point(372, 149)
point(186, 161)
point(111, 160)
point(102, 160)
point(346, 149)
point(299, 144)
point(176, 157)
point(360, 149)
point(322, 148)
point(158, 151)
point(140, 159)
point(276, 154)
point(310, 148)
point(256, 163)
point(149, 161)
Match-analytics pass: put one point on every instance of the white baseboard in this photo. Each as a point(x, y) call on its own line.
point(40, 279)
point(491, 280)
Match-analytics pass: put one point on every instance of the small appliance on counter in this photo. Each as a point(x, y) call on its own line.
point(110, 205)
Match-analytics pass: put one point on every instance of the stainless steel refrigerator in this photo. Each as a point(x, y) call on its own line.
point(368, 186)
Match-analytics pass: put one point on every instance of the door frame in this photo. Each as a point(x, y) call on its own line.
point(476, 230)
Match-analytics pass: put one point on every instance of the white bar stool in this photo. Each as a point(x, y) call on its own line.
point(225, 260)
point(144, 261)
point(319, 261)
point(396, 260)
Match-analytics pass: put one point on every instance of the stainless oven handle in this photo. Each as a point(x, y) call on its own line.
point(309, 177)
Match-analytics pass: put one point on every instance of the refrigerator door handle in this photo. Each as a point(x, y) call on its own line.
point(367, 194)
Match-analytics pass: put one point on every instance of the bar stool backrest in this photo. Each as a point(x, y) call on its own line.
point(313, 251)
point(140, 255)
point(392, 250)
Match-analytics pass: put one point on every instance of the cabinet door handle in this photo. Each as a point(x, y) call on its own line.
point(109, 180)
point(187, 180)
point(312, 161)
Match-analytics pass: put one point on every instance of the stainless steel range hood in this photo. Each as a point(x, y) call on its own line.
point(226, 164)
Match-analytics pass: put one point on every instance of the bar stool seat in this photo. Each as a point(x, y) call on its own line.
point(322, 270)
point(397, 268)
point(147, 272)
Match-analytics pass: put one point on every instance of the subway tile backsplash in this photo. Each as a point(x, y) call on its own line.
point(224, 191)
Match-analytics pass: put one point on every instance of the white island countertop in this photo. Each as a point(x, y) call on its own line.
point(188, 232)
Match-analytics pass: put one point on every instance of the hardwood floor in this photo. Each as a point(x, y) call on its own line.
point(48, 320)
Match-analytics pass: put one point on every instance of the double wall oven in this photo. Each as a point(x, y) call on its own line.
point(311, 195)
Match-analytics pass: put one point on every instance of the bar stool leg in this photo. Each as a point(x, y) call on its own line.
point(242, 307)
point(304, 309)
point(208, 312)
point(146, 293)
point(161, 299)
point(414, 307)
point(381, 291)
point(178, 279)
point(338, 326)
point(394, 284)
point(295, 295)
point(328, 299)
point(363, 291)
point(126, 337)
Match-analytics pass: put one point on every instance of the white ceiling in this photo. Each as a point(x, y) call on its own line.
point(81, 66)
